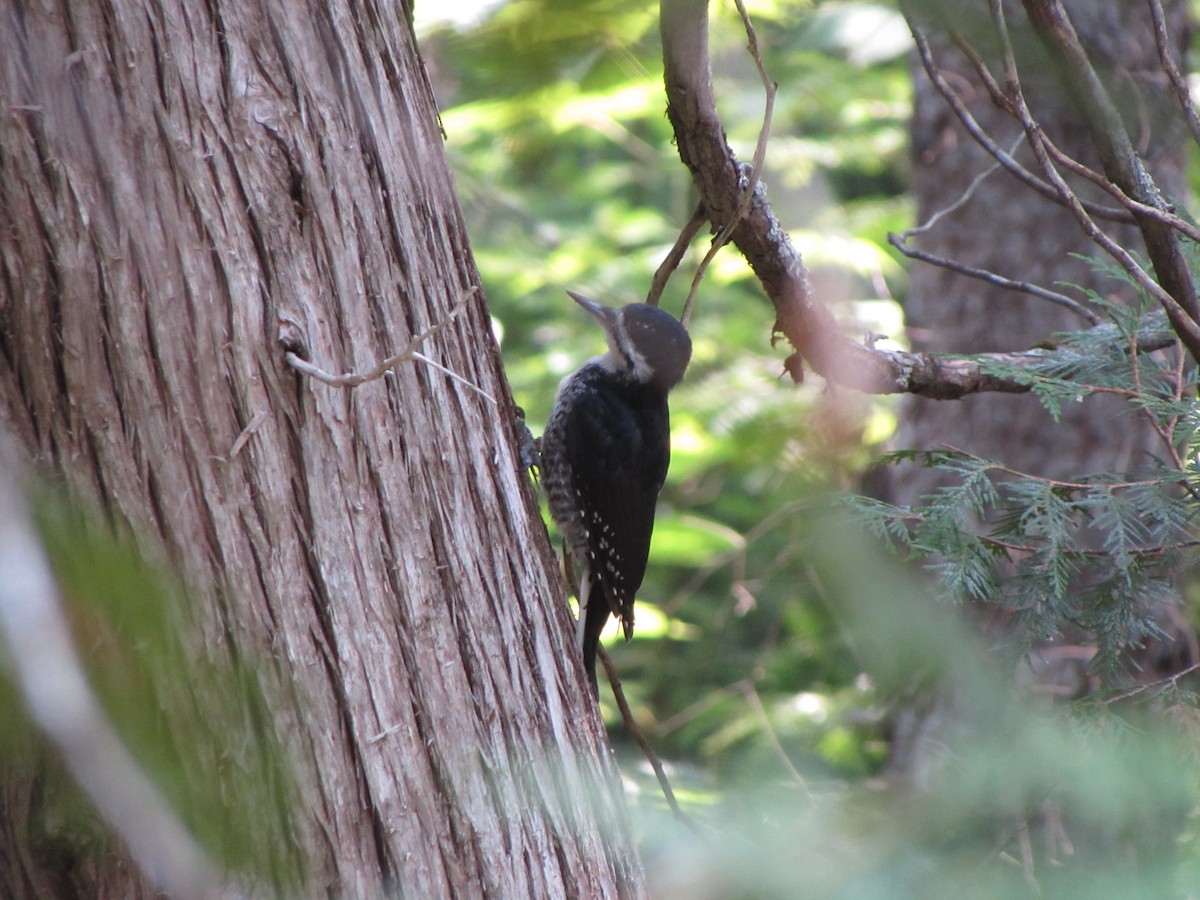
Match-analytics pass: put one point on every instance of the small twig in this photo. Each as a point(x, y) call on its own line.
point(1180, 383)
point(735, 556)
point(990, 277)
point(1053, 482)
point(386, 733)
point(1168, 218)
point(748, 691)
point(248, 432)
point(760, 156)
point(981, 137)
point(1012, 548)
point(1171, 680)
point(631, 724)
point(408, 354)
point(999, 98)
point(668, 266)
point(1182, 483)
point(1175, 287)
point(1184, 324)
point(694, 710)
point(1163, 430)
point(900, 242)
point(1178, 82)
point(1148, 553)
point(1025, 845)
point(961, 201)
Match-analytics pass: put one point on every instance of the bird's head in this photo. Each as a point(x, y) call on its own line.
point(645, 343)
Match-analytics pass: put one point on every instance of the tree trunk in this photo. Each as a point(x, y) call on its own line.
point(177, 179)
point(1007, 228)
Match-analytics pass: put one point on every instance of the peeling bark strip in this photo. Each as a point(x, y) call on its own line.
point(807, 324)
point(175, 178)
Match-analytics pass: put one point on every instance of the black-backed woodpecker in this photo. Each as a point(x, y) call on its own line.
point(605, 454)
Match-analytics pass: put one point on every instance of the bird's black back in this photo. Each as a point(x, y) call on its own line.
point(608, 447)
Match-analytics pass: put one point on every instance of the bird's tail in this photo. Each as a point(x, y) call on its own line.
point(593, 616)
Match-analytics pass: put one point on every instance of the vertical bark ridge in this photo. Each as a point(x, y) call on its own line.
point(195, 171)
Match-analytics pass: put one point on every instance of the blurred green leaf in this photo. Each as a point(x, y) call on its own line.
point(690, 540)
point(206, 738)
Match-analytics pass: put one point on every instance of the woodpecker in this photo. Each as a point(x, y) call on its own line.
point(605, 453)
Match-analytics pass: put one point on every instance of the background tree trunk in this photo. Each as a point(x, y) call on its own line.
point(1007, 228)
point(176, 179)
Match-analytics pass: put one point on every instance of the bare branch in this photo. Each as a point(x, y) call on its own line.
point(808, 325)
point(1164, 216)
point(950, 378)
point(1024, 287)
point(408, 354)
point(1121, 164)
point(1183, 323)
point(900, 242)
point(1178, 82)
point(721, 182)
point(1171, 681)
point(675, 256)
point(976, 131)
point(638, 735)
point(1004, 102)
point(760, 155)
point(36, 637)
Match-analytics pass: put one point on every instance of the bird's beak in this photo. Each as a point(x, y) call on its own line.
point(606, 314)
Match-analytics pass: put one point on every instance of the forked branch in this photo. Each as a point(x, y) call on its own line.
point(810, 327)
point(724, 184)
point(1122, 166)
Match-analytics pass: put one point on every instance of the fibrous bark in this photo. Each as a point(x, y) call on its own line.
point(176, 179)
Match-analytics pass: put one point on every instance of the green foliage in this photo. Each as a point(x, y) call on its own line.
point(1097, 557)
point(204, 739)
point(773, 639)
point(554, 121)
point(1103, 793)
point(772, 642)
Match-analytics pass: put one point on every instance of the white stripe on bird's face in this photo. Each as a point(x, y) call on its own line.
point(622, 344)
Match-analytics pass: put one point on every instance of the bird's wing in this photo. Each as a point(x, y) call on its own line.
point(618, 452)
